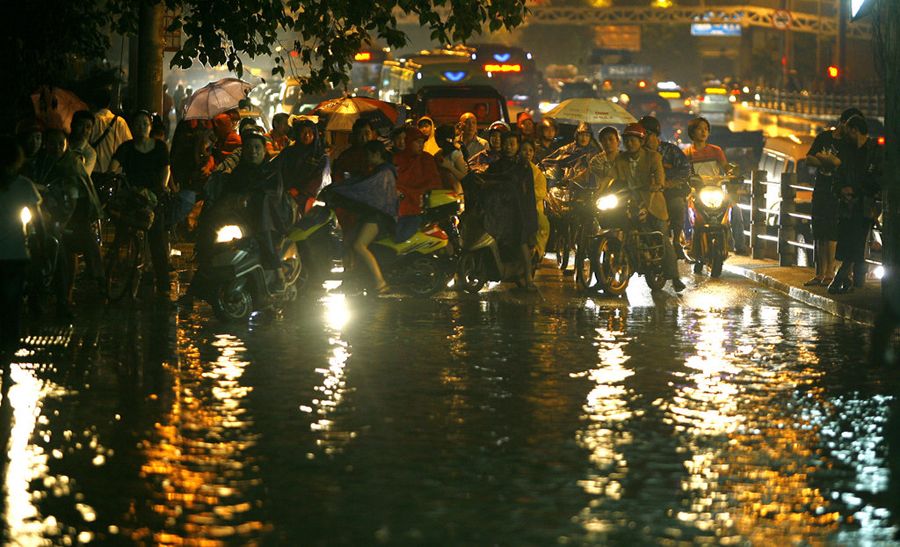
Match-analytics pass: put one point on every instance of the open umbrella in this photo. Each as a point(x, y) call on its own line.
point(54, 106)
point(216, 97)
point(341, 113)
point(593, 111)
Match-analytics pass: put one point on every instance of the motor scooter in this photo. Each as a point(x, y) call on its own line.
point(709, 210)
point(231, 277)
point(422, 263)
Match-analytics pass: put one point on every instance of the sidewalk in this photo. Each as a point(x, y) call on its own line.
point(860, 305)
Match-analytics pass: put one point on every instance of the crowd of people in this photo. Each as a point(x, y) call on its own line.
point(503, 176)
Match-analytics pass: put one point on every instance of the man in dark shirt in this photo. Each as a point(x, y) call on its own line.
point(825, 154)
point(858, 180)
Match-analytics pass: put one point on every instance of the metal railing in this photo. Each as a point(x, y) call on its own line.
point(781, 215)
point(819, 104)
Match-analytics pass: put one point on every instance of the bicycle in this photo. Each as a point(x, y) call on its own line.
point(132, 213)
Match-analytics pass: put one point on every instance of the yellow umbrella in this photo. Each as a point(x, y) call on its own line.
point(592, 111)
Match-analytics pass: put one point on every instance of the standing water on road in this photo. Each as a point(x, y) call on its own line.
point(723, 417)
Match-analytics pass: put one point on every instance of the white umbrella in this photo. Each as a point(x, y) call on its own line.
point(216, 97)
point(593, 111)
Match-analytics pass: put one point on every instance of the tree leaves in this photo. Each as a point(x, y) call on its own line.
point(326, 34)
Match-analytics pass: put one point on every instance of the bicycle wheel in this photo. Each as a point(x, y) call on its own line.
point(122, 264)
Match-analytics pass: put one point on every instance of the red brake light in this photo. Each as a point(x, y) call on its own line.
point(881, 141)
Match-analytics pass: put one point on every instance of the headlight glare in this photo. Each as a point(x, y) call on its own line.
point(712, 197)
point(25, 215)
point(607, 202)
point(228, 233)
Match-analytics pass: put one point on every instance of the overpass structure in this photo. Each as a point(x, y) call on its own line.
point(746, 16)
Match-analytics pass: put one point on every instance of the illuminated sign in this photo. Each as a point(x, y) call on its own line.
point(455, 76)
point(362, 56)
point(670, 94)
point(503, 68)
point(501, 57)
point(715, 91)
point(715, 29)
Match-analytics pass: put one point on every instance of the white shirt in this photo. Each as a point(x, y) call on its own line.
point(88, 156)
point(110, 143)
point(20, 193)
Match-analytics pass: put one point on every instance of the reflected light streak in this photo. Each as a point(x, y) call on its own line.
point(27, 460)
point(337, 311)
point(605, 407)
point(196, 462)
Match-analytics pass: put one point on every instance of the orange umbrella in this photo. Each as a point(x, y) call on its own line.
point(341, 113)
point(54, 106)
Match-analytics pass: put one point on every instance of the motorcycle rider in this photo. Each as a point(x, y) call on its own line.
point(641, 171)
point(469, 142)
point(676, 187)
point(482, 160)
point(304, 166)
point(547, 139)
point(373, 198)
point(575, 157)
point(268, 212)
point(600, 166)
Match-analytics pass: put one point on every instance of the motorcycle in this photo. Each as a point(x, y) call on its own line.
point(422, 263)
point(621, 248)
point(709, 209)
point(231, 277)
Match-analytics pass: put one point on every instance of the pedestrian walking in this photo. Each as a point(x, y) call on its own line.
point(825, 155)
point(859, 185)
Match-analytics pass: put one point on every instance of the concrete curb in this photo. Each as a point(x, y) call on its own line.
point(840, 309)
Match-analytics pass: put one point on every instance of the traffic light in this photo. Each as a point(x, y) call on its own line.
point(833, 72)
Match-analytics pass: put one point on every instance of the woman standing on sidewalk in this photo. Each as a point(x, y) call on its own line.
point(825, 154)
point(859, 180)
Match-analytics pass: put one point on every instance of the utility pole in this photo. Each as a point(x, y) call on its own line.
point(146, 59)
point(843, 15)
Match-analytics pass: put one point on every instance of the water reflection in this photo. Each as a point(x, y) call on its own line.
point(198, 464)
point(605, 411)
point(714, 418)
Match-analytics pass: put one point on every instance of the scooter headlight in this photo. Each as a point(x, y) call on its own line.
point(228, 233)
point(25, 216)
point(712, 197)
point(607, 202)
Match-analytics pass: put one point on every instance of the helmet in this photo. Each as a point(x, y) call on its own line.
point(635, 130)
point(253, 131)
point(650, 123)
point(499, 126)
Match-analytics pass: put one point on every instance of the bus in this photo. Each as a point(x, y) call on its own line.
point(512, 71)
point(397, 80)
point(365, 72)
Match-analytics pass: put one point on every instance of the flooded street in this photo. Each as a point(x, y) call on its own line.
point(731, 415)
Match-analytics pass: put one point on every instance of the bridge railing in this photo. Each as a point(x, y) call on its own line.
point(778, 230)
point(819, 104)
